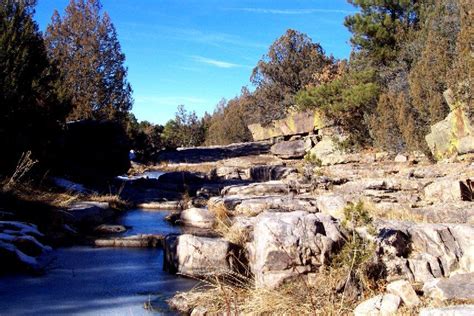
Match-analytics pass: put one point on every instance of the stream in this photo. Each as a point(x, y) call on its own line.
point(84, 280)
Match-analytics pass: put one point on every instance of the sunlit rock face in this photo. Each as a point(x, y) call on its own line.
point(294, 124)
point(455, 134)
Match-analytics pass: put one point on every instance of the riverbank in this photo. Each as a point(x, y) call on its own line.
point(87, 280)
point(341, 235)
point(337, 238)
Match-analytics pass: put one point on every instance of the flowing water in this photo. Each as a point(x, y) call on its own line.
point(98, 281)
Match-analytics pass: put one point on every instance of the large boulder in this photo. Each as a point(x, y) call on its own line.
point(327, 152)
point(290, 149)
point(455, 134)
point(198, 256)
point(294, 124)
point(405, 291)
point(197, 217)
point(383, 305)
point(459, 286)
point(444, 190)
point(421, 251)
point(286, 245)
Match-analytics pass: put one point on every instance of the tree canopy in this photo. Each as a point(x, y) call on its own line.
point(30, 110)
point(84, 45)
point(290, 64)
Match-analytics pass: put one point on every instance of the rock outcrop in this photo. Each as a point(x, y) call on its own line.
point(199, 256)
point(291, 149)
point(459, 286)
point(197, 217)
point(287, 245)
point(380, 305)
point(421, 252)
point(455, 134)
point(294, 124)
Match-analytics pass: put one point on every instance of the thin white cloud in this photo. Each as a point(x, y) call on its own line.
point(189, 35)
point(291, 11)
point(215, 62)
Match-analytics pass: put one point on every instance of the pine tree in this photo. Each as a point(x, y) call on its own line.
point(378, 24)
point(289, 66)
point(85, 47)
point(30, 112)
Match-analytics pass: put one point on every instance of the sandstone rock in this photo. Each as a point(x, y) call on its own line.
point(295, 123)
point(331, 204)
point(453, 135)
point(447, 212)
point(456, 310)
point(135, 241)
point(255, 205)
point(197, 217)
point(228, 173)
point(386, 304)
point(197, 256)
point(289, 149)
point(459, 286)
point(428, 250)
point(401, 158)
point(326, 151)
point(257, 189)
point(444, 190)
point(268, 173)
point(289, 244)
point(466, 145)
point(405, 291)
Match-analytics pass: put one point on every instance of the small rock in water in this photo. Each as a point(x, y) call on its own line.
point(110, 229)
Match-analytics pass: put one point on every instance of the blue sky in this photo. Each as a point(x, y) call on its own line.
point(196, 52)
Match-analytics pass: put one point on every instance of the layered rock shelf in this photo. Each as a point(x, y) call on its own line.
point(292, 224)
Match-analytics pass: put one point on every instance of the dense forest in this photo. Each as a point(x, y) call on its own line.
point(406, 53)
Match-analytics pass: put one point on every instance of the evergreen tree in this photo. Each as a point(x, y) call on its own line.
point(30, 112)
point(289, 66)
point(84, 44)
point(377, 27)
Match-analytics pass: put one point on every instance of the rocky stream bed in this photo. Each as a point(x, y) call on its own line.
point(284, 219)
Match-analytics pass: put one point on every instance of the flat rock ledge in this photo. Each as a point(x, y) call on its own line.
point(456, 310)
point(136, 241)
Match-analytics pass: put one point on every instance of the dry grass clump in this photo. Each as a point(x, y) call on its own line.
point(24, 166)
point(204, 167)
point(224, 226)
point(401, 214)
point(114, 200)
